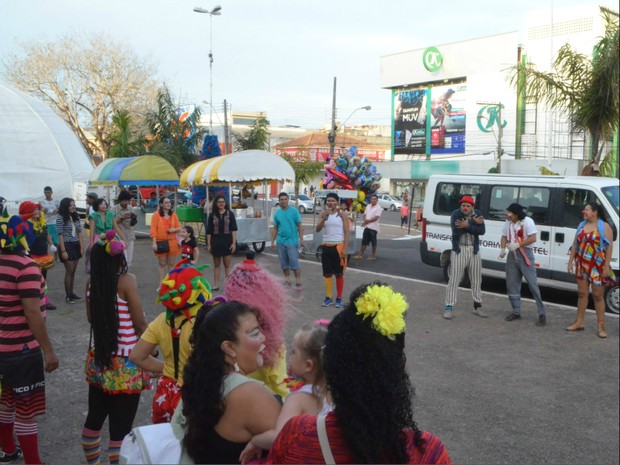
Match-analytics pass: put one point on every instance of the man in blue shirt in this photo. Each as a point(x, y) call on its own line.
point(288, 234)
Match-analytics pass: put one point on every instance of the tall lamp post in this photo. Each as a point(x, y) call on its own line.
point(344, 129)
point(217, 10)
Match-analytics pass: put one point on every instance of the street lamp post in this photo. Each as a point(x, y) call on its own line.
point(217, 10)
point(344, 129)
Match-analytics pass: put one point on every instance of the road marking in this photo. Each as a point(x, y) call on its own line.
point(374, 274)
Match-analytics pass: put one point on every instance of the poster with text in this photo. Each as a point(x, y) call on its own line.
point(410, 121)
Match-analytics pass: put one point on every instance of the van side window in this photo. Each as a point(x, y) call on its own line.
point(536, 201)
point(501, 197)
point(574, 202)
point(449, 194)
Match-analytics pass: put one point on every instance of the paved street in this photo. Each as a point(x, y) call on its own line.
point(494, 392)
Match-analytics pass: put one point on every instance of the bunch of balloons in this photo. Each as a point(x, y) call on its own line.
point(350, 171)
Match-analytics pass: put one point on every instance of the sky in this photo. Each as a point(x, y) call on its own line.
point(277, 56)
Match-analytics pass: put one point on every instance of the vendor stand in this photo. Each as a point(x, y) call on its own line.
point(240, 169)
point(145, 170)
point(317, 237)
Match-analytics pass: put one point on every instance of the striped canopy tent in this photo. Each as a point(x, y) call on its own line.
point(247, 166)
point(146, 170)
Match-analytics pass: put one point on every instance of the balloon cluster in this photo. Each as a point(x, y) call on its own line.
point(350, 171)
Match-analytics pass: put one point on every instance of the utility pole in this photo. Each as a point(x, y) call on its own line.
point(226, 141)
point(332, 133)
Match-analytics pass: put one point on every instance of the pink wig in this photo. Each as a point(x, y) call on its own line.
point(264, 292)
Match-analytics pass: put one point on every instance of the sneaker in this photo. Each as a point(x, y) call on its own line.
point(542, 320)
point(447, 314)
point(299, 287)
point(69, 300)
point(75, 297)
point(50, 306)
point(338, 303)
point(10, 458)
point(327, 302)
point(513, 316)
point(478, 311)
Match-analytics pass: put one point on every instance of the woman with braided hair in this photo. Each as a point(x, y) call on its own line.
point(115, 313)
point(364, 364)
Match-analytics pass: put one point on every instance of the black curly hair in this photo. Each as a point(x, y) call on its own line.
point(203, 405)
point(370, 387)
point(105, 270)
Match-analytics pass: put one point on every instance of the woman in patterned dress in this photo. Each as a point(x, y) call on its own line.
point(590, 257)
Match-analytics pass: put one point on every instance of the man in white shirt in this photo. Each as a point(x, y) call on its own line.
point(372, 215)
point(518, 236)
point(50, 208)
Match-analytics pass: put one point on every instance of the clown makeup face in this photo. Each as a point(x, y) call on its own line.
point(512, 217)
point(247, 351)
point(589, 214)
point(466, 208)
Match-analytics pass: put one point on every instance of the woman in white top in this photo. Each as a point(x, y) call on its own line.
point(335, 226)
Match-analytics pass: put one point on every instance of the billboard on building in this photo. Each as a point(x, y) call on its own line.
point(430, 120)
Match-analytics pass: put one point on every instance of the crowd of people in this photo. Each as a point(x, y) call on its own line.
point(225, 382)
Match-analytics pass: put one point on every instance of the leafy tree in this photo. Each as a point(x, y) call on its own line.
point(305, 169)
point(85, 79)
point(257, 138)
point(174, 139)
point(584, 87)
point(124, 143)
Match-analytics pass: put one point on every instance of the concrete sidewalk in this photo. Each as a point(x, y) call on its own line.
point(494, 392)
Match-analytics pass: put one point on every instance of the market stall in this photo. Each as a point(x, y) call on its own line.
point(241, 169)
point(145, 170)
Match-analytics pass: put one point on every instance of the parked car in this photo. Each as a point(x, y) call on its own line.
point(391, 202)
point(183, 196)
point(306, 204)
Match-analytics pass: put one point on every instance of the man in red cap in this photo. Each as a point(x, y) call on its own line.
point(467, 226)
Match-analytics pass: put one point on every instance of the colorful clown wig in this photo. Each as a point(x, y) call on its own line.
point(261, 290)
point(184, 290)
point(16, 235)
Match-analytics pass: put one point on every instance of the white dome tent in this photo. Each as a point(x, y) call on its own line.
point(38, 149)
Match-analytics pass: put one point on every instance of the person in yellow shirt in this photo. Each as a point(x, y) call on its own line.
point(183, 292)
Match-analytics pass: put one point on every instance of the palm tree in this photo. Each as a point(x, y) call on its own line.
point(173, 138)
point(123, 141)
point(586, 88)
point(257, 138)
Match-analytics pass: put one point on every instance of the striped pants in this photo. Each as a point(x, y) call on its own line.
point(466, 259)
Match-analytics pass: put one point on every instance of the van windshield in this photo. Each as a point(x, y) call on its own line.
point(611, 193)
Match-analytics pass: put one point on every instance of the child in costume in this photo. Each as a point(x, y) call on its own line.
point(33, 213)
point(189, 251)
point(261, 290)
point(183, 292)
point(310, 397)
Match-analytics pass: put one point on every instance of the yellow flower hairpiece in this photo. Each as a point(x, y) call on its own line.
point(385, 307)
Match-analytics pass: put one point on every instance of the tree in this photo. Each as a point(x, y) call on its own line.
point(124, 143)
point(85, 79)
point(175, 135)
point(304, 168)
point(257, 138)
point(586, 88)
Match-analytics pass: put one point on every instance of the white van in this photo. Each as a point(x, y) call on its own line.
point(553, 202)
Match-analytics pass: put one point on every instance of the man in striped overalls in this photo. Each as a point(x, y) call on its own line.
point(467, 227)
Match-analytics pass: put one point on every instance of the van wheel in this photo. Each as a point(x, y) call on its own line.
point(612, 299)
point(446, 275)
point(258, 246)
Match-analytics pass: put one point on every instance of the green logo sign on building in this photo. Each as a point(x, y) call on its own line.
point(432, 59)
